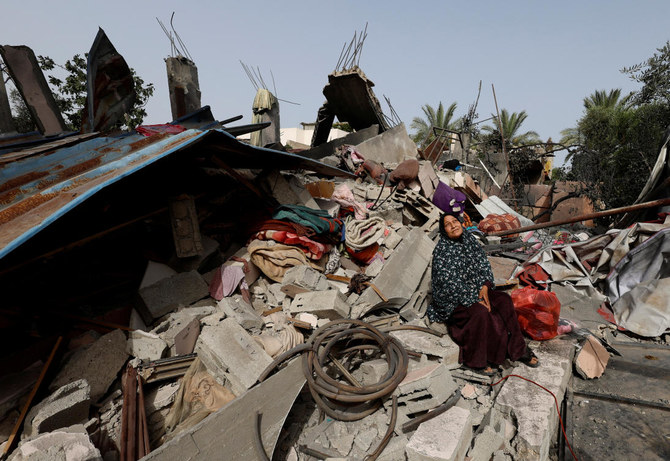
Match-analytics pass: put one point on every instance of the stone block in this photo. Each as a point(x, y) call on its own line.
point(329, 304)
point(67, 444)
point(426, 388)
point(402, 272)
point(168, 294)
point(236, 307)
point(533, 408)
point(67, 406)
point(445, 437)
point(145, 346)
point(227, 350)
point(425, 343)
point(302, 278)
point(98, 365)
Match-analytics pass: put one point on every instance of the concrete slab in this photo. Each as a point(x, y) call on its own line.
point(98, 365)
point(145, 346)
point(425, 343)
point(392, 146)
point(229, 352)
point(401, 274)
point(228, 433)
point(445, 437)
point(533, 408)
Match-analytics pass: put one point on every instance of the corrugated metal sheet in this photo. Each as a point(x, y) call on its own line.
point(37, 190)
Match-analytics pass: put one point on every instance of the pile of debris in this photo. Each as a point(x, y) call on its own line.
point(199, 348)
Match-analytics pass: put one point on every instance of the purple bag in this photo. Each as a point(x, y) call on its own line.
point(449, 200)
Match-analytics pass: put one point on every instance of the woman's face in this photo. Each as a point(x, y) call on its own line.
point(453, 227)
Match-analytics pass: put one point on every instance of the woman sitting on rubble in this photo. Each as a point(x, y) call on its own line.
point(479, 319)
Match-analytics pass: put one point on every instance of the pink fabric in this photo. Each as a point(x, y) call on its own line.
point(314, 250)
point(343, 195)
point(226, 280)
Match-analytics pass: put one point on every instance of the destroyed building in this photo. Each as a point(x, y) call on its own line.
point(175, 293)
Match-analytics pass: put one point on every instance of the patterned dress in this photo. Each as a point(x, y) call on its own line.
point(460, 269)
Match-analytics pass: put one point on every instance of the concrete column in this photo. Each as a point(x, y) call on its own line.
point(184, 86)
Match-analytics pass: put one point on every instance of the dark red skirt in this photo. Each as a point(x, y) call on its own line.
point(487, 338)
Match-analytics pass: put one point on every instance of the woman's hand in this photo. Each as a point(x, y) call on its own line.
point(484, 297)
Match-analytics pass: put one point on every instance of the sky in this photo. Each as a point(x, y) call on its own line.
point(542, 57)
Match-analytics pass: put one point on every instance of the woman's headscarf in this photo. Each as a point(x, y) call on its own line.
point(459, 270)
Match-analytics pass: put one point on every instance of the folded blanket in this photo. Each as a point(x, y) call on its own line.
point(361, 233)
point(313, 250)
point(274, 258)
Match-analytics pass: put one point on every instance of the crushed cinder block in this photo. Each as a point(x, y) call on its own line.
point(402, 272)
point(98, 365)
point(591, 360)
point(71, 443)
point(533, 408)
point(227, 350)
point(445, 437)
point(237, 308)
point(67, 406)
point(426, 388)
point(329, 304)
point(145, 346)
point(169, 293)
point(425, 343)
point(301, 279)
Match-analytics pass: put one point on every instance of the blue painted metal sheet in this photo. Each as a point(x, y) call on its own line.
point(36, 191)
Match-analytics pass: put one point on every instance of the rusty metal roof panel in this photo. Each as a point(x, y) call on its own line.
point(37, 190)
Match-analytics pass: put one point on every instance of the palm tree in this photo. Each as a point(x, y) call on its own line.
point(424, 127)
point(511, 126)
point(601, 98)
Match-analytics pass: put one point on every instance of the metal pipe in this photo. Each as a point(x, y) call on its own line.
point(586, 217)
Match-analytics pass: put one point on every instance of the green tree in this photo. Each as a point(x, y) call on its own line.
point(70, 94)
point(511, 126)
point(439, 118)
point(654, 75)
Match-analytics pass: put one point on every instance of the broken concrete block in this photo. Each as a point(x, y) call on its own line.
point(98, 365)
point(373, 371)
point(395, 450)
point(169, 293)
point(179, 331)
point(329, 304)
point(426, 388)
point(289, 191)
point(445, 437)
point(592, 359)
point(237, 308)
point(155, 272)
point(301, 279)
point(402, 272)
point(391, 146)
point(429, 344)
point(145, 346)
point(533, 408)
point(67, 406)
point(485, 443)
point(227, 350)
point(469, 391)
point(374, 268)
point(309, 318)
point(65, 444)
point(160, 397)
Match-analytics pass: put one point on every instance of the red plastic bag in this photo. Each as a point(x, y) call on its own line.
point(538, 312)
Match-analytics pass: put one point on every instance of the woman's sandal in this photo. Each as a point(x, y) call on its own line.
point(486, 371)
point(530, 359)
